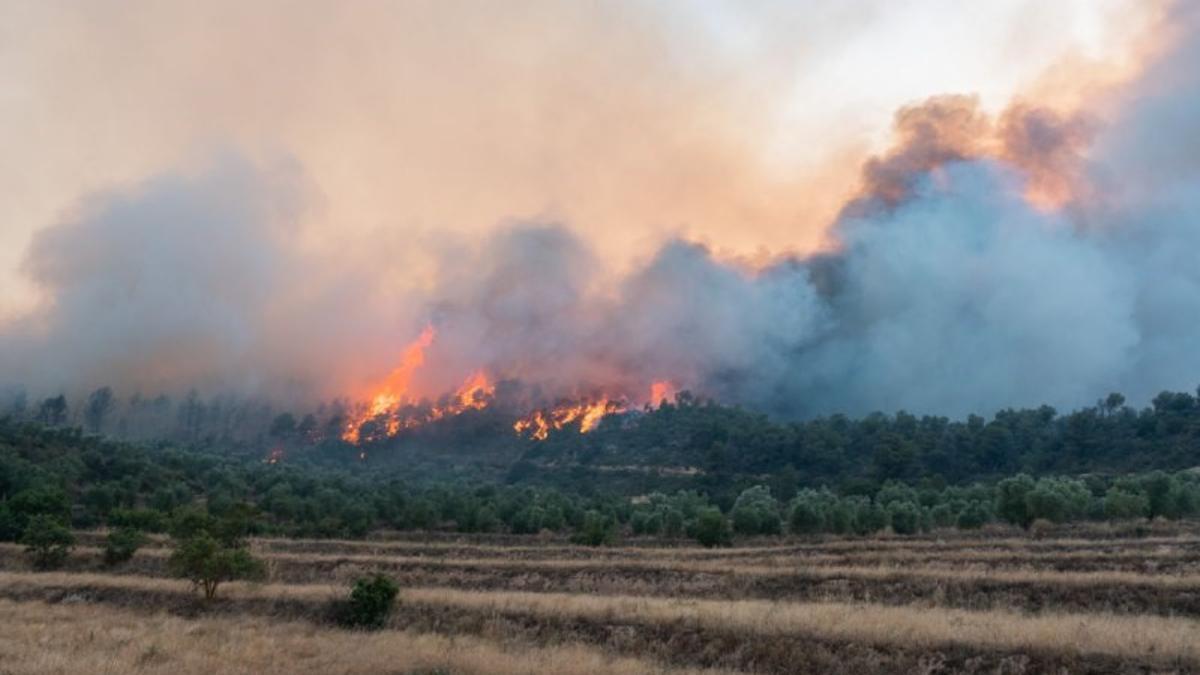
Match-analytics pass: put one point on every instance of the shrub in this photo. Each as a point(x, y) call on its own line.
point(674, 524)
point(121, 544)
point(941, 515)
point(597, 530)
point(207, 563)
point(905, 517)
point(711, 528)
point(756, 512)
point(806, 516)
point(371, 601)
point(869, 517)
point(47, 541)
point(1120, 504)
point(1011, 502)
point(973, 516)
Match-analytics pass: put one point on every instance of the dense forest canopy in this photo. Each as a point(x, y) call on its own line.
point(664, 470)
point(687, 442)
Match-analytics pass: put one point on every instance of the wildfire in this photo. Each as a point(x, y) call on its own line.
point(394, 408)
point(662, 391)
point(539, 424)
point(392, 401)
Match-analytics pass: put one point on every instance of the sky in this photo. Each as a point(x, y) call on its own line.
point(757, 200)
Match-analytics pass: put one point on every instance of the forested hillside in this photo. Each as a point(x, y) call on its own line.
point(685, 468)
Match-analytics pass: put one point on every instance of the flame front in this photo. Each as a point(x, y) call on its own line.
point(394, 391)
point(539, 424)
point(393, 407)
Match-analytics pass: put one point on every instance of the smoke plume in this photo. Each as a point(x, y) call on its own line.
point(1037, 255)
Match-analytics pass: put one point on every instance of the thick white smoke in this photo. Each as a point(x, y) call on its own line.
point(986, 263)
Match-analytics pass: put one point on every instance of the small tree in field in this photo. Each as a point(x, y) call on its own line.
point(208, 563)
point(47, 541)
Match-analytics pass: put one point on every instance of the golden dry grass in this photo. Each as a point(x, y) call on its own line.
point(1136, 637)
point(1124, 636)
point(40, 639)
point(767, 567)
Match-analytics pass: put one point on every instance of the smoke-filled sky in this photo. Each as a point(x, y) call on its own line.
point(805, 207)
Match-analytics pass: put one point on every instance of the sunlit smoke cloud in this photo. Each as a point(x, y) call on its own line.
point(985, 260)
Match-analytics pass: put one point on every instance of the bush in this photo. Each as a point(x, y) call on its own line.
point(597, 530)
point(121, 544)
point(47, 541)
point(711, 528)
point(1012, 504)
point(370, 604)
point(806, 516)
point(207, 563)
point(1120, 504)
point(905, 517)
point(756, 512)
point(973, 516)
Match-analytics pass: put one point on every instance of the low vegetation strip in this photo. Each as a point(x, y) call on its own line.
point(776, 567)
point(1137, 638)
point(1131, 637)
point(943, 543)
point(96, 639)
point(977, 589)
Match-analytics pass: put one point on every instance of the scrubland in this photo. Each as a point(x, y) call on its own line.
point(993, 602)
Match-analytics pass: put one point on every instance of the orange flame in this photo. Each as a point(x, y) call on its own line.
point(394, 390)
point(390, 397)
point(662, 391)
point(475, 392)
point(538, 424)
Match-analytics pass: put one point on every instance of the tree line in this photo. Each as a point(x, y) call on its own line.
point(61, 477)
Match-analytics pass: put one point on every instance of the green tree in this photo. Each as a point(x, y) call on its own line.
point(1012, 504)
point(806, 515)
point(208, 562)
point(1120, 504)
point(674, 523)
point(756, 512)
point(47, 541)
point(711, 528)
point(598, 529)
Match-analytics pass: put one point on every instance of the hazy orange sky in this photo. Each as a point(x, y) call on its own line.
point(417, 123)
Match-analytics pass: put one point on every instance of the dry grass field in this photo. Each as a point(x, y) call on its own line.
point(1086, 601)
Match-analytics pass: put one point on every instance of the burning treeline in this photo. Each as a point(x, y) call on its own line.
point(394, 406)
